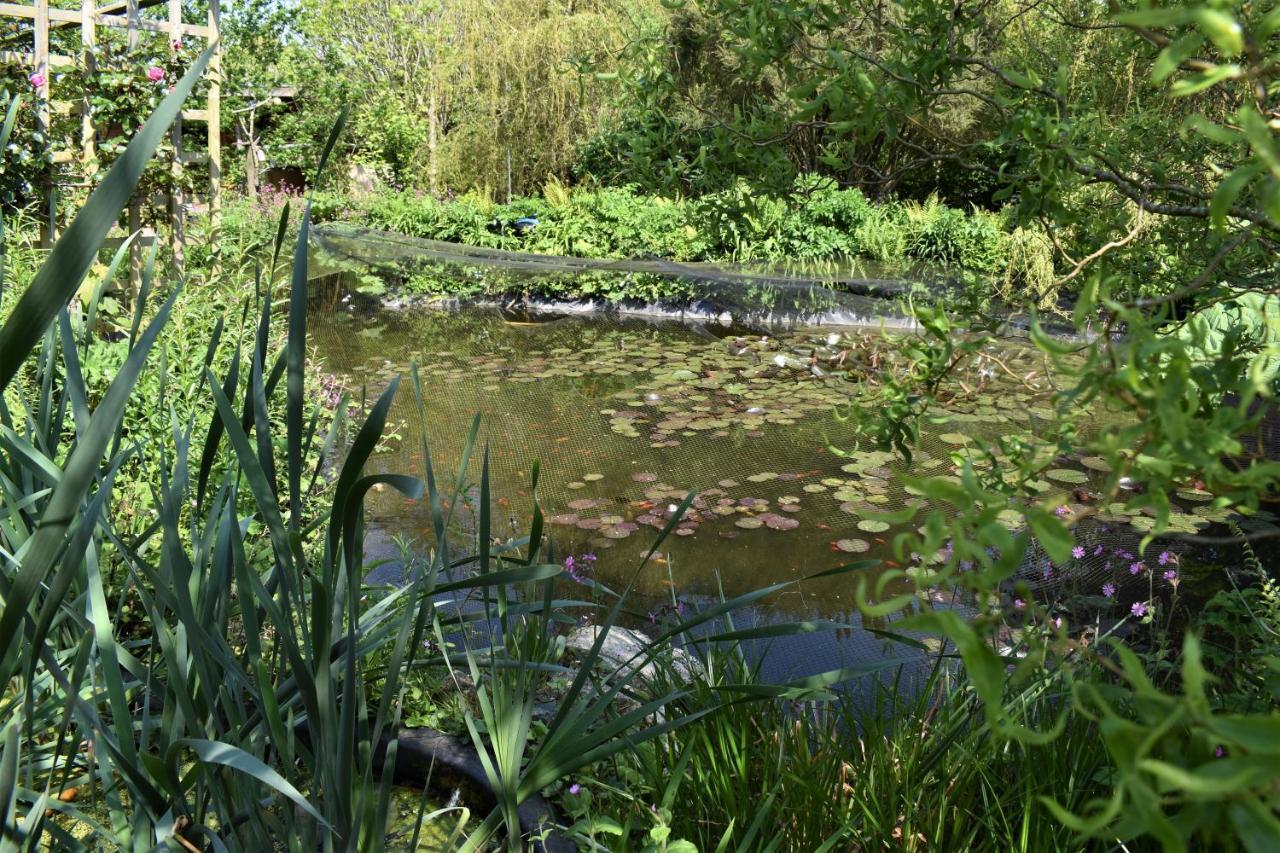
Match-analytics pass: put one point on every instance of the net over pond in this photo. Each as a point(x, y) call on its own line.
point(628, 415)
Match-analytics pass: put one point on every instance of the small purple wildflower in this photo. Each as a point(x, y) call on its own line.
point(1220, 751)
point(1062, 511)
point(1109, 589)
point(1019, 604)
point(1170, 576)
point(578, 568)
point(1097, 552)
point(575, 789)
point(1135, 568)
point(1139, 609)
point(1167, 559)
point(1078, 552)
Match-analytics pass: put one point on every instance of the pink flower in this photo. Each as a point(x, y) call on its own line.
point(1167, 558)
point(1019, 604)
point(1135, 568)
point(1109, 589)
point(1171, 576)
point(1139, 609)
point(1057, 622)
point(1078, 552)
point(155, 74)
point(36, 80)
point(1062, 511)
point(176, 44)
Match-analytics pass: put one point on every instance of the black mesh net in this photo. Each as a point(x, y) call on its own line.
point(737, 395)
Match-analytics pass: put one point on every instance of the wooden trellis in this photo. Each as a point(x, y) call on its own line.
point(126, 15)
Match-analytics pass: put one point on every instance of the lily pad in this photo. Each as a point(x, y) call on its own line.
point(591, 478)
point(870, 525)
point(1067, 475)
point(749, 523)
point(852, 546)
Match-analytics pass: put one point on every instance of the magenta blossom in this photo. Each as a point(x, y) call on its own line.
point(155, 74)
point(1167, 558)
point(1078, 552)
point(1135, 568)
point(1139, 609)
point(1019, 604)
point(1057, 622)
point(1171, 576)
point(1109, 589)
point(575, 789)
point(37, 80)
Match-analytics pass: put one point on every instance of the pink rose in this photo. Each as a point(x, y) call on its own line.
point(155, 74)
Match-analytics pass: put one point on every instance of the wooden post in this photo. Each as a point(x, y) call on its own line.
point(40, 61)
point(177, 233)
point(214, 123)
point(88, 135)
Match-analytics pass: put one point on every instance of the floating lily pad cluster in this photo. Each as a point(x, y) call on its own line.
point(619, 518)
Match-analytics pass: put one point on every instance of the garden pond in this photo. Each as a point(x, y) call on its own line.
point(627, 415)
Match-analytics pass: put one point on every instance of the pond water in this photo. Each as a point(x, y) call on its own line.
point(626, 416)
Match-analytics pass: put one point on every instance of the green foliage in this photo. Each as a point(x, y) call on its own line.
point(819, 222)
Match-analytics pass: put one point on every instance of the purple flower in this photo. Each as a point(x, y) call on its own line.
point(1062, 511)
point(1057, 622)
point(588, 558)
point(1219, 751)
point(1109, 589)
point(1078, 552)
point(1167, 558)
point(155, 74)
point(37, 80)
point(1139, 609)
point(1019, 604)
point(575, 789)
point(1135, 568)
point(1097, 552)
point(1171, 576)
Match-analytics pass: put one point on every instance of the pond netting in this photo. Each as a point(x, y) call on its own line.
point(628, 413)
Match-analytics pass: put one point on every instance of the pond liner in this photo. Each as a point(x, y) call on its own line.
point(529, 308)
point(450, 762)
